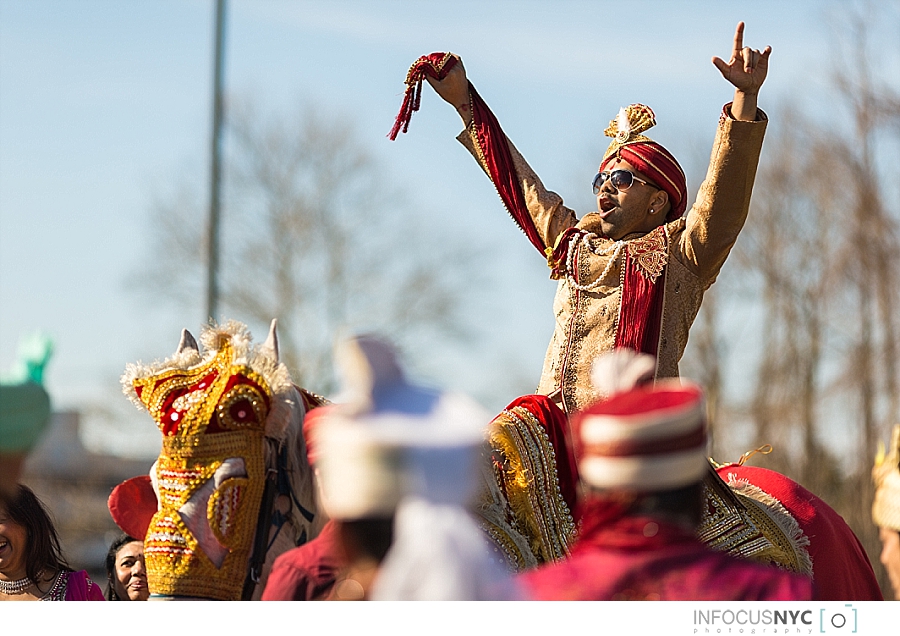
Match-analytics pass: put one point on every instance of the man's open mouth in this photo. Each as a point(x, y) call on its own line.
point(606, 205)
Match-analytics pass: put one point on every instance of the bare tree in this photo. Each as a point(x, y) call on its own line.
point(871, 260)
point(317, 236)
point(821, 256)
point(789, 249)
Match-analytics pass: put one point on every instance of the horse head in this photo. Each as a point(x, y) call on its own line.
point(232, 482)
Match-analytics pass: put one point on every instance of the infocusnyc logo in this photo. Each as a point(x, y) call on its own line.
point(843, 620)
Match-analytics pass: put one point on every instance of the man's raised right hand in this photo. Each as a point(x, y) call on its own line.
point(454, 89)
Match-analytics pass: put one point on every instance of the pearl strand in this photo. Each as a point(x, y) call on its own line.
point(615, 248)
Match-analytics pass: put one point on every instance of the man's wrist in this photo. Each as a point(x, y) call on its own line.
point(743, 108)
point(727, 113)
point(465, 112)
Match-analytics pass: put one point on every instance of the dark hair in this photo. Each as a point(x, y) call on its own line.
point(42, 551)
point(372, 536)
point(685, 503)
point(114, 548)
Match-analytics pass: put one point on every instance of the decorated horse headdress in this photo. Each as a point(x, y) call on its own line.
point(231, 424)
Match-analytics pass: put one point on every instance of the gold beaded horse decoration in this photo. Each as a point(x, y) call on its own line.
point(233, 463)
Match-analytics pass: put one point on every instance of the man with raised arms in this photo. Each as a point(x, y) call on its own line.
point(631, 274)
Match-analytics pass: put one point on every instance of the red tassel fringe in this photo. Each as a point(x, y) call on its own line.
point(436, 65)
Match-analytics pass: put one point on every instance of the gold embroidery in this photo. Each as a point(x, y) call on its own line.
point(627, 127)
point(223, 509)
point(724, 527)
point(738, 521)
point(570, 353)
point(650, 253)
point(536, 508)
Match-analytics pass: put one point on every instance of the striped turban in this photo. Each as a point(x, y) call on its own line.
point(646, 439)
point(646, 155)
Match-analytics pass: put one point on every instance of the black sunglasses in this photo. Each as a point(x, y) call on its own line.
point(620, 180)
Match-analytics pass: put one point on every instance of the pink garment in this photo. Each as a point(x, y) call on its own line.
point(617, 561)
point(306, 573)
point(80, 587)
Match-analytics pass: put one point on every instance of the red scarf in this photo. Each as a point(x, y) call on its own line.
point(640, 316)
point(490, 138)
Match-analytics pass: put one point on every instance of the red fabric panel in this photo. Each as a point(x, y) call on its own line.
point(132, 505)
point(495, 148)
point(491, 139)
point(841, 568)
point(557, 260)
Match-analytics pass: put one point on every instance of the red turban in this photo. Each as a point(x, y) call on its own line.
point(646, 155)
point(645, 439)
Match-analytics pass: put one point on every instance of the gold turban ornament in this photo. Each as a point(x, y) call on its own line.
point(627, 127)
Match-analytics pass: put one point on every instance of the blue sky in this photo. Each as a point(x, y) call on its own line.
point(104, 105)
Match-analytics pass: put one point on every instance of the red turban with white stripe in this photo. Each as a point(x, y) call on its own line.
point(646, 439)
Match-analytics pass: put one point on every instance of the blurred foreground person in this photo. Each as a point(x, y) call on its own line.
point(886, 508)
point(126, 574)
point(642, 459)
point(396, 465)
point(32, 567)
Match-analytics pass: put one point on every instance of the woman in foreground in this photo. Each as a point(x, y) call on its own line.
point(32, 567)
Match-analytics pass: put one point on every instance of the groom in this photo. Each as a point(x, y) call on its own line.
point(632, 274)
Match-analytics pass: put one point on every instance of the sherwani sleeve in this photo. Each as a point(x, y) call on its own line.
point(713, 223)
point(546, 209)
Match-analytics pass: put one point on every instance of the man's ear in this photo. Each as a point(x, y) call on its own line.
point(660, 199)
point(659, 202)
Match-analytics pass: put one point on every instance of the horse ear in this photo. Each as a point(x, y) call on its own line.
point(271, 342)
point(187, 342)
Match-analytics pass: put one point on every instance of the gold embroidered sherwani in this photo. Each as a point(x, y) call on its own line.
point(688, 252)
